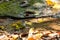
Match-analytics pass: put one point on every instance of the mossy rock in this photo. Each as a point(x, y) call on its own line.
point(12, 8)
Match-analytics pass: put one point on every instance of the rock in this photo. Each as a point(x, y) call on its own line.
point(38, 5)
point(57, 15)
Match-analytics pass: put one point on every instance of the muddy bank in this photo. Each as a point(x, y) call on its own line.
point(46, 24)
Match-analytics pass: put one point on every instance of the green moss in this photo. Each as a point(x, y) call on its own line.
point(13, 7)
point(17, 25)
point(9, 8)
point(2, 27)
